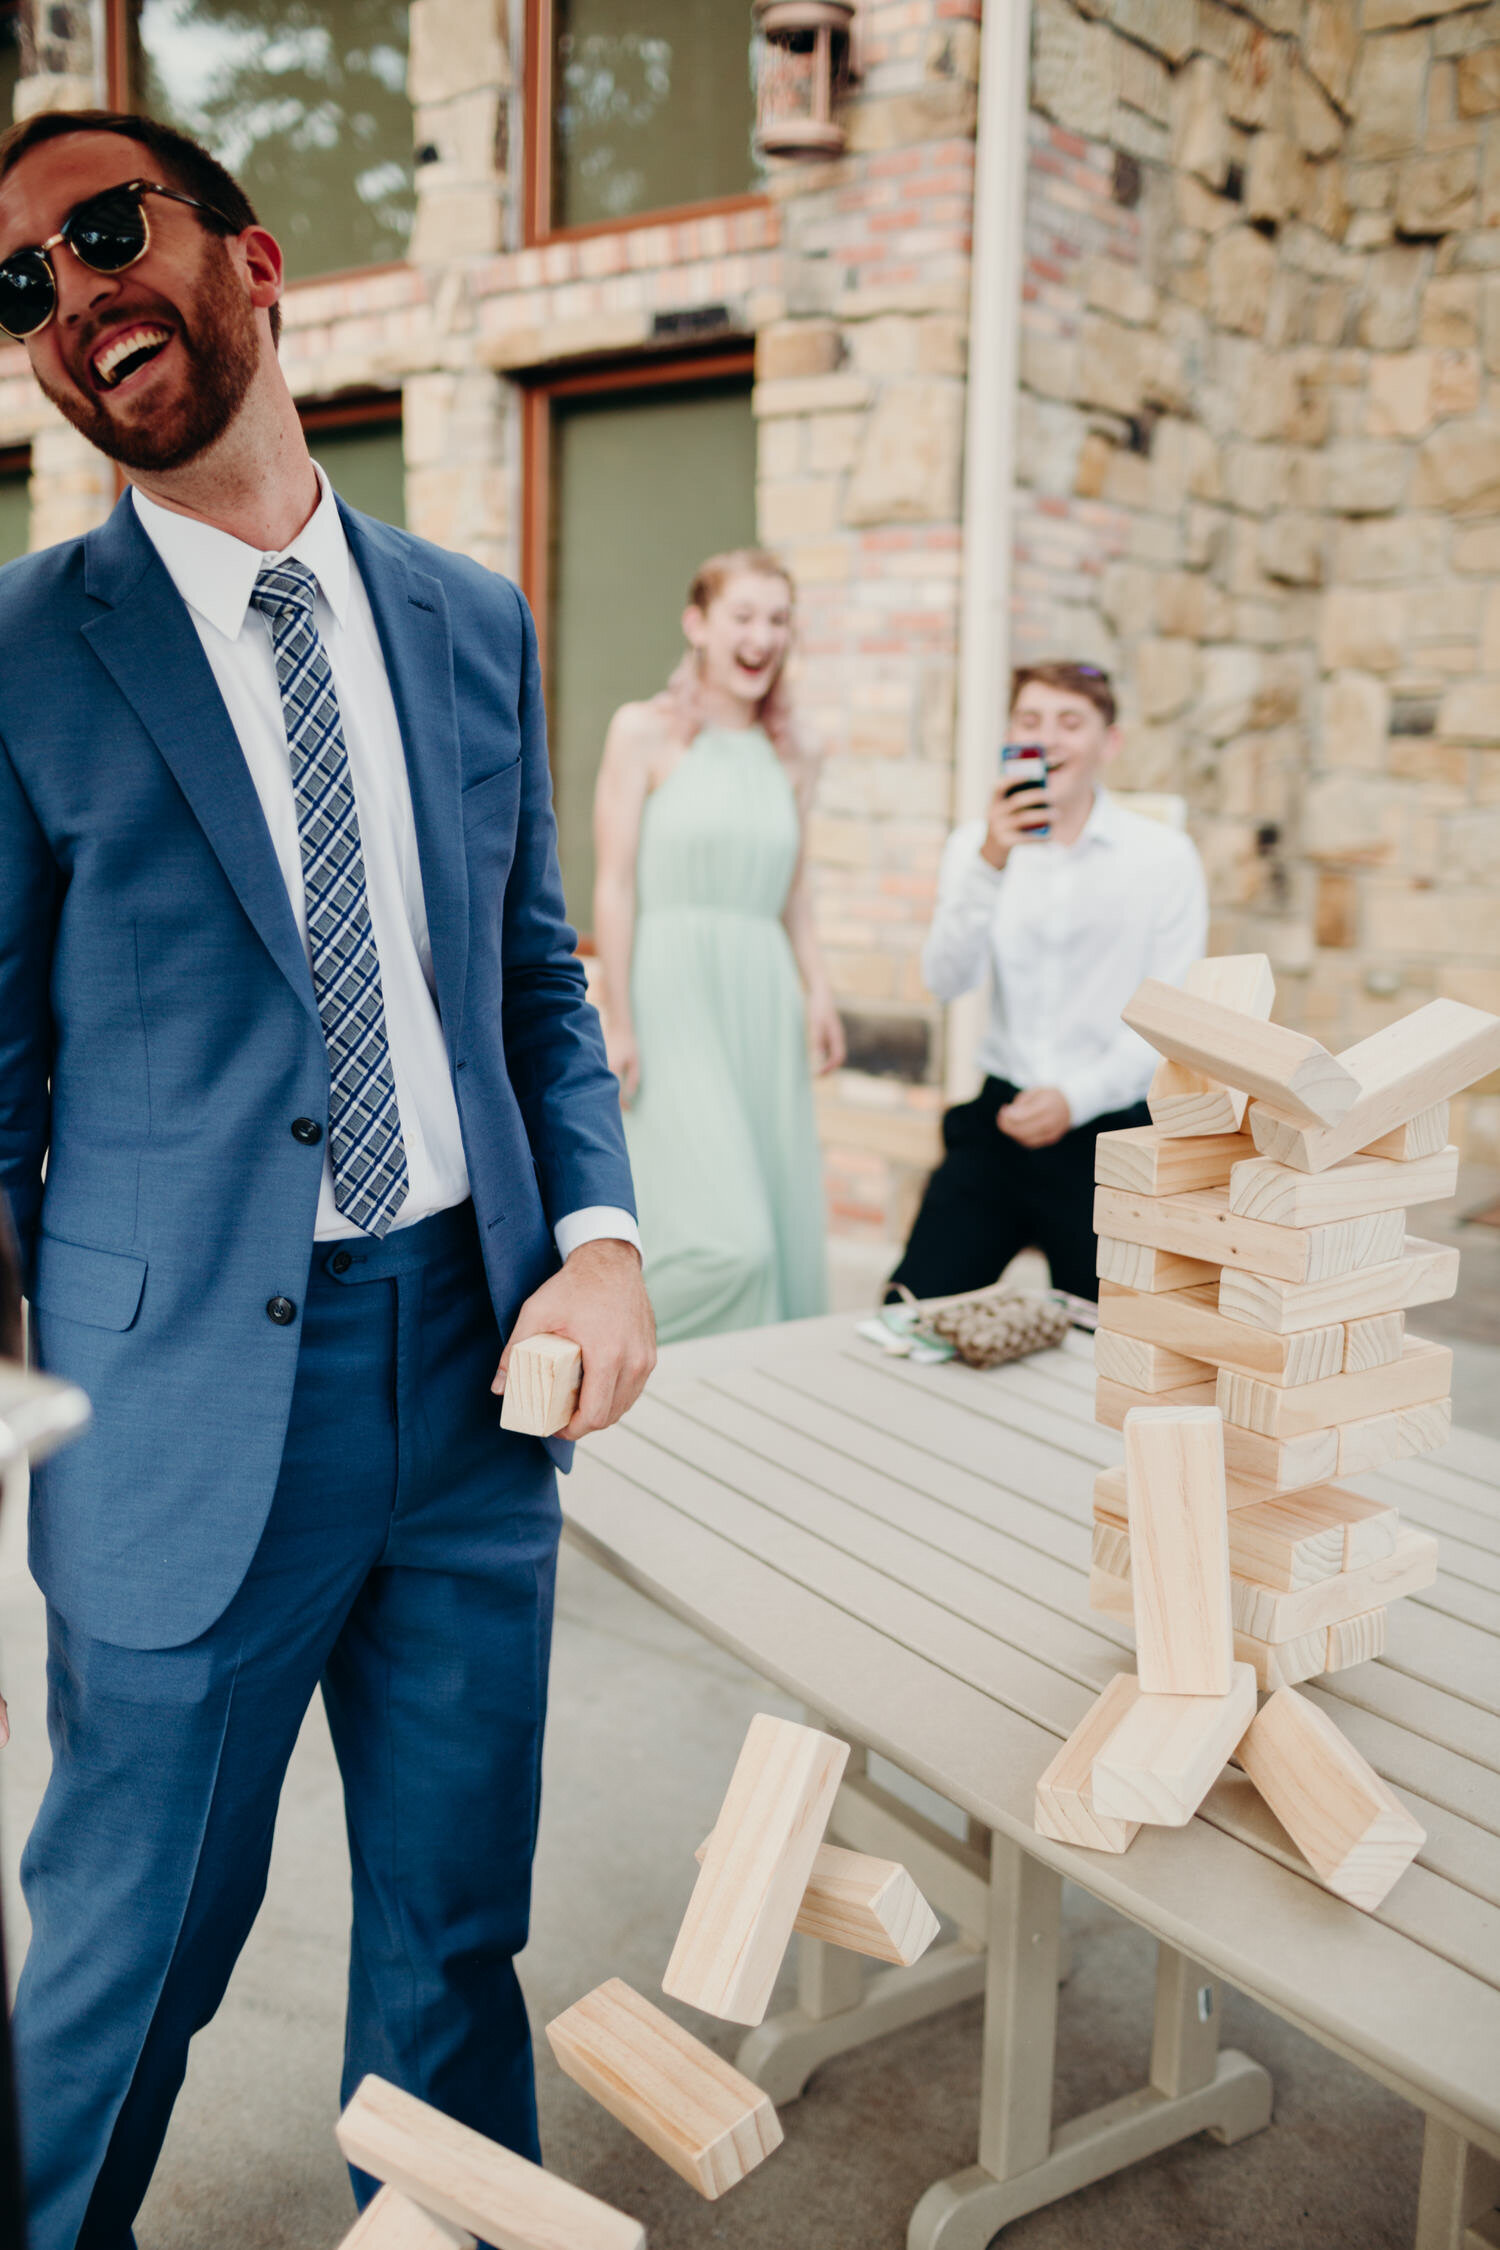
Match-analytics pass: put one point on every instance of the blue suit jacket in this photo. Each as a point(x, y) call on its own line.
point(158, 1034)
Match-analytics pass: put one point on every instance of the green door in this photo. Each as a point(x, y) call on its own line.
point(15, 506)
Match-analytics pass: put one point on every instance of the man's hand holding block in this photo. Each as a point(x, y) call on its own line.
point(541, 1386)
point(394, 2222)
point(865, 1905)
point(1179, 1550)
point(1354, 1832)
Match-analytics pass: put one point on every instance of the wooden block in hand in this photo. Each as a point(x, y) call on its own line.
point(1259, 1188)
point(1422, 1135)
point(1188, 1321)
point(1423, 1373)
point(541, 1386)
point(755, 1871)
point(1352, 1830)
point(1371, 1343)
point(693, 2109)
point(1064, 1808)
point(1167, 1752)
point(472, 2182)
point(1179, 1550)
point(1142, 1366)
point(1145, 1161)
point(1270, 1616)
point(1398, 1072)
point(1355, 1640)
point(1184, 1102)
point(393, 2222)
point(1133, 1266)
point(1284, 1068)
point(1201, 1225)
point(1113, 1401)
point(1423, 1274)
point(864, 1904)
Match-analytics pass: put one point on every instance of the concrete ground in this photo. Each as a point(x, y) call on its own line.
point(646, 1721)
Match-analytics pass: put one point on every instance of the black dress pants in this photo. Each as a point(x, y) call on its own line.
point(990, 1197)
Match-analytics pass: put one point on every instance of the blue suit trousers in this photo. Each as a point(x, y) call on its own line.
point(408, 1566)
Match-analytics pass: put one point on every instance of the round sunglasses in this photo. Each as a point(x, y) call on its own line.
point(106, 233)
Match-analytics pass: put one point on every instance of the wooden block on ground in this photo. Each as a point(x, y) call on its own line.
point(1353, 1831)
point(864, 1904)
point(1411, 1565)
point(1167, 1751)
point(1399, 1071)
point(1424, 1372)
point(1145, 1161)
point(1183, 1101)
point(1423, 1274)
point(1422, 1135)
point(1201, 1225)
point(541, 1386)
point(1274, 1664)
point(1273, 1465)
point(1371, 1343)
point(696, 2111)
point(393, 2222)
point(1299, 1078)
point(747, 1897)
point(1064, 1796)
point(474, 2183)
point(1143, 1366)
point(1259, 1188)
point(1189, 1321)
point(1113, 1401)
point(1133, 1266)
point(1174, 1483)
point(1356, 1640)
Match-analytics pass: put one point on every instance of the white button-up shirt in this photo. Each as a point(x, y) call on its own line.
point(1066, 932)
point(215, 574)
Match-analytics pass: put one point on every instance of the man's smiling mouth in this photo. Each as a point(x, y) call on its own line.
point(128, 351)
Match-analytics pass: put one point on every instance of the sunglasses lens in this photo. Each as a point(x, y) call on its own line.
point(27, 292)
point(108, 233)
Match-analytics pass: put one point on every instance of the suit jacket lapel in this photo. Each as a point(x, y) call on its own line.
point(146, 641)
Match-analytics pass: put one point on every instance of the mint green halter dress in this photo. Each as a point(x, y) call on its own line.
point(722, 1136)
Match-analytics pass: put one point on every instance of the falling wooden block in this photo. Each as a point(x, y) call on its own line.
point(1353, 1831)
point(1064, 1807)
point(1423, 1373)
point(755, 1871)
point(693, 2109)
point(1167, 1752)
point(1188, 1321)
point(1183, 1101)
point(1283, 1068)
point(1275, 1664)
point(1174, 1482)
point(472, 2182)
point(1371, 1343)
point(1423, 1274)
point(1201, 1225)
point(864, 1904)
point(541, 1386)
point(1143, 1366)
point(393, 2222)
point(1411, 1565)
point(1259, 1188)
point(1355, 1640)
point(1406, 1068)
point(1113, 1401)
point(1422, 1135)
point(1144, 1161)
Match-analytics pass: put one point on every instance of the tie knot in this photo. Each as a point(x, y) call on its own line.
point(285, 588)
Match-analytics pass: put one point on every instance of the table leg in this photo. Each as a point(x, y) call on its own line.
point(1459, 2195)
point(1024, 2164)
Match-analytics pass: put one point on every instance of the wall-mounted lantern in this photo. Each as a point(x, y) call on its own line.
point(807, 56)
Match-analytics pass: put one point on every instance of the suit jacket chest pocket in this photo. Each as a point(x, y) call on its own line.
point(490, 811)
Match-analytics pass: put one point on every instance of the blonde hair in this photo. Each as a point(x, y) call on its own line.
point(682, 697)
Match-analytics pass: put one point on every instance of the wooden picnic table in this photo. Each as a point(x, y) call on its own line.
point(905, 1548)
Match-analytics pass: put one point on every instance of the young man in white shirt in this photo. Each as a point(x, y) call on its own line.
point(1065, 901)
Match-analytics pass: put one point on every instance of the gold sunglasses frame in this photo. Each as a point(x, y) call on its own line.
point(140, 189)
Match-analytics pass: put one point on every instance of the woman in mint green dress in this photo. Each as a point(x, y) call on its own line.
point(713, 988)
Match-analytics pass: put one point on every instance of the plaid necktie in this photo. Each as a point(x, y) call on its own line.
point(364, 1123)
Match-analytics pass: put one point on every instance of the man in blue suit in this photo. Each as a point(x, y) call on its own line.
point(303, 1113)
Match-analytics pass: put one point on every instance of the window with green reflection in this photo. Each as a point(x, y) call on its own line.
point(652, 106)
point(304, 101)
point(365, 465)
point(15, 505)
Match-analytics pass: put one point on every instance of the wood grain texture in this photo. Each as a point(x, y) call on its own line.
point(1150, 1271)
point(1167, 1751)
point(1179, 1550)
point(541, 1386)
point(1113, 1401)
point(1285, 1068)
point(1398, 1072)
point(744, 1906)
point(1183, 1101)
point(1356, 1640)
point(864, 1904)
point(1064, 1795)
point(692, 2108)
point(1425, 1273)
point(1188, 1321)
point(1423, 1373)
point(1143, 1366)
point(472, 2182)
point(1294, 1540)
point(1260, 1188)
point(1144, 1161)
point(393, 2222)
point(1201, 1225)
point(1353, 1831)
point(1371, 1343)
point(1274, 1664)
point(1411, 1565)
point(1422, 1135)
point(1274, 1465)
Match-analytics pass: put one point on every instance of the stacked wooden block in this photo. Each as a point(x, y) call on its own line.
point(1255, 1275)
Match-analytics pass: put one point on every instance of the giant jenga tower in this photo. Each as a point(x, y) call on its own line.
point(1255, 1276)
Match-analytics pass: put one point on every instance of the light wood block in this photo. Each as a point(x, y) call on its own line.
point(693, 2109)
point(1174, 1484)
point(1268, 1466)
point(1183, 1101)
point(1425, 1428)
point(1201, 1225)
point(1167, 1752)
point(1110, 1595)
point(1111, 1551)
point(1411, 1565)
point(1299, 1078)
point(1133, 1266)
point(1423, 1274)
point(1369, 1443)
point(541, 1386)
point(1144, 1161)
point(745, 1903)
point(1356, 1640)
point(1274, 1664)
point(1295, 1540)
point(1188, 1321)
point(864, 1904)
point(1064, 1807)
point(1259, 1188)
point(1143, 1366)
point(393, 2222)
point(1406, 1068)
point(472, 2182)
point(1422, 1135)
point(1424, 1372)
point(1354, 1832)
point(1113, 1401)
point(1372, 1343)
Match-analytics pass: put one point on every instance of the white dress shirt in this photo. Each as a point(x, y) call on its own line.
point(1066, 932)
point(215, 574)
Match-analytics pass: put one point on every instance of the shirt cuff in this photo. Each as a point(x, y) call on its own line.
point(598, 1222)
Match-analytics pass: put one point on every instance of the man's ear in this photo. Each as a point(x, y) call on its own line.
point(260, 256)
point(1114, 743)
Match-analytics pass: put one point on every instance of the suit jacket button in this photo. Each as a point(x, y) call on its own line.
point(340, 1262)
point(282, 1311)
point(307, 1130)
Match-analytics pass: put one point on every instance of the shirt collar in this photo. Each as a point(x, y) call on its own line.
point(215, 573)
point(1103, 823)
